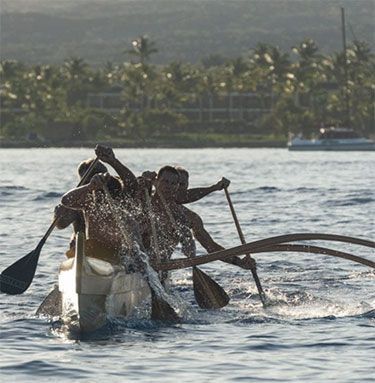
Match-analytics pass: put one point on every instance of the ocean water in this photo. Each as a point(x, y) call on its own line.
point(319, 327)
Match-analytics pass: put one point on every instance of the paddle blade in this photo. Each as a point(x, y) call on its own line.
point(208, 293)
point(17, 278)
point(162, 310)
point(52, 304)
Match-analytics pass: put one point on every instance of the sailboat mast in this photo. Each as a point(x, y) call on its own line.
point(346, 90)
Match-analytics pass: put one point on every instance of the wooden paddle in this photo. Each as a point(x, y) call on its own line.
point(52, 304)
point(262, 295)
point(17, 278)
point(208, 293)
point(160, 309)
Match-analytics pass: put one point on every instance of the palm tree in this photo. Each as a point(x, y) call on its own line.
point(307, 50)
point(9, 69)
point(75, 68)
point(142, 48)
point(78, 74)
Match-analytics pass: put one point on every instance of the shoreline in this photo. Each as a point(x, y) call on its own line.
point(143, 144)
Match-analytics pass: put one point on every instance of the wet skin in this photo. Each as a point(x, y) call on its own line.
point(172, 225)
point(195, 222)
point(69, 216)
point(101, 225)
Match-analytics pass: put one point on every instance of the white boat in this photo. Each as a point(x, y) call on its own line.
point(93, 290)
point(333, 139)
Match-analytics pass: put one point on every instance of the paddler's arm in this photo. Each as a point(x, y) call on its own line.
point(106, 154)
point(65, 216)
point(200, 233)
point(207, 242)
point(187, 244)
point(181, 229)
point(81, 197)
point(195, 194)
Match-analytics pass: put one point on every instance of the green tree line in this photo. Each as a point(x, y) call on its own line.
point(308, 89)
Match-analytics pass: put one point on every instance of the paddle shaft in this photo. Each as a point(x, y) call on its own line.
point(152, 224)
point(17, 278)
point(242, 238)
point(208, 293)
point(159, 307)
point(81, 182)
point(54, 222)
point(234, 215)
point(171, 218)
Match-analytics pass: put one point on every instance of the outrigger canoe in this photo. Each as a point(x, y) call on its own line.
point(93, 290)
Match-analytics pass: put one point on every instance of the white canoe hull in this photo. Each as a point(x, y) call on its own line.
point(93, 291)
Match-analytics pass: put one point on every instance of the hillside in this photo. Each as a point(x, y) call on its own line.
point(38, 31)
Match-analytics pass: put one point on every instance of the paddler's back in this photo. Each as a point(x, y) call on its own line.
point(96, 249)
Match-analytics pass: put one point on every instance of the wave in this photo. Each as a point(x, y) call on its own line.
point(369, 314)
point(268, 189)
point(8, 190)
point(256, 320)
point(304, 189)
point(43, 368)
point(13, 187)
point(47, 195)
point(274, 189)
point(350, 201)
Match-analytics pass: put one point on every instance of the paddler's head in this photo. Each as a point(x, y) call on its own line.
point(183, 179)
point(112, 184)
point(84, 165)
point(145, 182)
point(167, 182)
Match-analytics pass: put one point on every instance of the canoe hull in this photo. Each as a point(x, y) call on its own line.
point(93, 291)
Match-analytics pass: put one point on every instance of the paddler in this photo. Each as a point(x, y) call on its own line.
point(171, 225)
point(73, 217)
point(133, 190)
point(195, 222)
point(108, 232)
point(87, 208)
point(125, 176)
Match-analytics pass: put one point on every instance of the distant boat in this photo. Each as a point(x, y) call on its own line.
point(333, 139)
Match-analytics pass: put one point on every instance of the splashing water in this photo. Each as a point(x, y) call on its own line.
point(131, 245)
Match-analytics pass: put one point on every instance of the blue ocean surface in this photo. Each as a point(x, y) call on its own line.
point(318, 327)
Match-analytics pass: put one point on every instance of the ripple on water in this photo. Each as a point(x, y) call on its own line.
point(320, 317)
point(47, 195)
point(44, 369)
point(350, 202)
